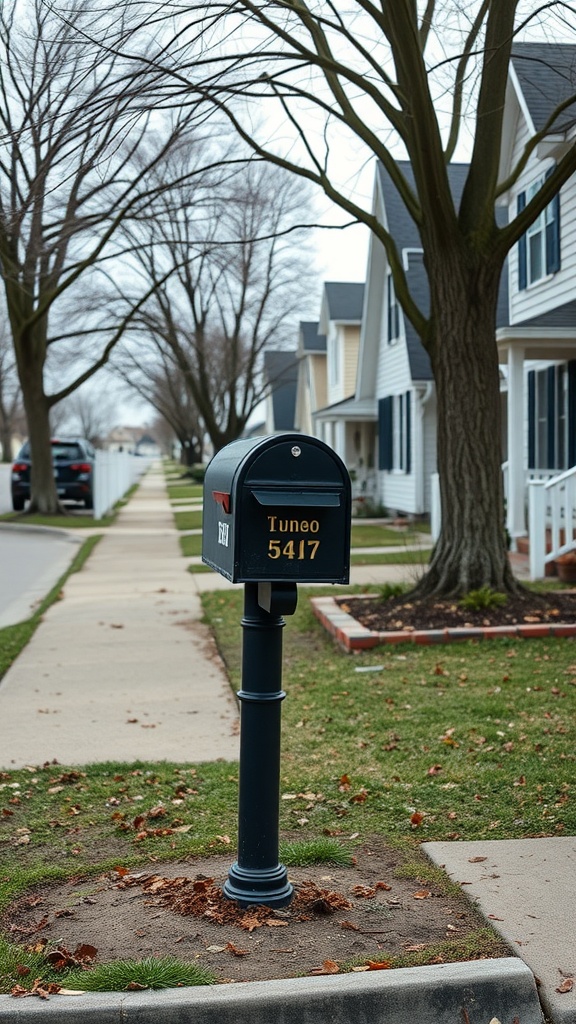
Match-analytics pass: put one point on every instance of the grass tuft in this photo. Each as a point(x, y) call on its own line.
point(302, 853)
point(151, 972)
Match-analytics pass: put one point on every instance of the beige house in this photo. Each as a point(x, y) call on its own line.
point(311, 392)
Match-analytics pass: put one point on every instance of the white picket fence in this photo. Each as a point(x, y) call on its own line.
point(114, 474)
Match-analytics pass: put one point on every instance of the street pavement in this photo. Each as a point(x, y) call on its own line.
point(122, 668)
point(32, 560)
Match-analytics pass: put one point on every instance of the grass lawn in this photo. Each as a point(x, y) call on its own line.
point(413, 557)
point(184, 490)
point(368, 535)
point(71, 522)
point(188, 520)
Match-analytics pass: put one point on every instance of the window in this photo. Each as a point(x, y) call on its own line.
point(549, 442)
point(393, 311)
point(394, 433)
point(539, 248)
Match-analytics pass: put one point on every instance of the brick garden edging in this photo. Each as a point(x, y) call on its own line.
point(353, 636)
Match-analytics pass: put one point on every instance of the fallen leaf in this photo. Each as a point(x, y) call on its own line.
point(349, 926)
point(215, 949)
point(249, 922)
point(235, 951)
point(379, 965)
point(417, 818)
point(435, 769)
point(273, 922)
point(422, 894)
point(328, 967)
point(476, 860)
point(566, 985)
point(135, 986)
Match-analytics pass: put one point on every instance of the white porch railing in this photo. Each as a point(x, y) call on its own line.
point(551, 514)
point(114, 474)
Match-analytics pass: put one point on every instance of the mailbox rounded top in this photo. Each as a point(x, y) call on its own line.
point(288, 459)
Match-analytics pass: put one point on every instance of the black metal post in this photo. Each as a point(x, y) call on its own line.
point(256, 876)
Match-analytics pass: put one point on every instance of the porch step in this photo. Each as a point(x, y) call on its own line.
point(523, 548)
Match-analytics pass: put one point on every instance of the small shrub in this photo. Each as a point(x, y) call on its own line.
point(389, 590)
point(485, 597)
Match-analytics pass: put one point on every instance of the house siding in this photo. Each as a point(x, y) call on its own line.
point(396, 488)
point(559, 288)
point(351, 347)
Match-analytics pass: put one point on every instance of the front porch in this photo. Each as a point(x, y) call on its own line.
point(541, 417)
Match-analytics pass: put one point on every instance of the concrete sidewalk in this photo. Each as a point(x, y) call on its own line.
point(122, 669)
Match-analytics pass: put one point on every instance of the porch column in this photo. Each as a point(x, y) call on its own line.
point(516, 498)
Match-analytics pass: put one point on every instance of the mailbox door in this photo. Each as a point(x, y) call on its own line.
point(300, 535)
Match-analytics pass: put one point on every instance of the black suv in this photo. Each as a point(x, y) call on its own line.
point(73, 461)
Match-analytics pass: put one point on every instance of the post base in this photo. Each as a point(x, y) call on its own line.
point(268, 886)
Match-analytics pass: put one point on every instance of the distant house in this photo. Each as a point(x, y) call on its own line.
point(281, 373)
point(311, 388)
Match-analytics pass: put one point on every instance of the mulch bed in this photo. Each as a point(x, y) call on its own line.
point(404, 613)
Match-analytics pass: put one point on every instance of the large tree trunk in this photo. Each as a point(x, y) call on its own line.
point(471, 551)
point(43, 493)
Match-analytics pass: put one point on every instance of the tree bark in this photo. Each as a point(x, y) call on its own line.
point(471, 551)
point(43, 492)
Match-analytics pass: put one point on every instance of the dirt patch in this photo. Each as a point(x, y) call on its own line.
point(340, 916)
point(402, 613)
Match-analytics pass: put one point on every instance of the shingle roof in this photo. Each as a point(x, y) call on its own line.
point(547, 76)
point(405, 233)
point(561, 316)
point(311, 340)
point(345, 300)
point(281, 370)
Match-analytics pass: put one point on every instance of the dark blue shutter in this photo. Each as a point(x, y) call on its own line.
point(385, 441)
point(531, 419)
point(551, 417)
point(408, 435)
point(572, 412)
point(522, 262)
point(553, 233)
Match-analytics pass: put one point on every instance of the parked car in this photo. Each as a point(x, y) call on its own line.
point(73, 461)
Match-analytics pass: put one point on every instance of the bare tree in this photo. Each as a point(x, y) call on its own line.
point(402, 77)
point(229, 277)
point(78, 144)
point(11, 412)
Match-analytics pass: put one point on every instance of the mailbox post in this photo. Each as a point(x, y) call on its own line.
point(276, 512)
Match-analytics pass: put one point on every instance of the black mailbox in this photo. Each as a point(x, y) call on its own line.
point(277, 508)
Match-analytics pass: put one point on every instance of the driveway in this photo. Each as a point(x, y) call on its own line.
point(32, 560)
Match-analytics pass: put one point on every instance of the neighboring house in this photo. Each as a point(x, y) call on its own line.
point(281, 373)
point(343, 423)
point(539, 342)
point(536, 320)
point(311, 388)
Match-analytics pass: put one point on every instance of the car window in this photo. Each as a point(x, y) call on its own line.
point(66, 452)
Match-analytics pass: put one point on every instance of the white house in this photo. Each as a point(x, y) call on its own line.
point(536, 320)
point(539, 341)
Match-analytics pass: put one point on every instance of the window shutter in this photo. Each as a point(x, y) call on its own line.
point(408, 435)
point(522, 263)
point(531, 419)
point(385, 449)
point(572, 412)
point(389, 306)
point(551, 417)
point(553, 237)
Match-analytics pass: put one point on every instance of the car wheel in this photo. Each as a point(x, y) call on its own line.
point(18, 504)
point(89, 502)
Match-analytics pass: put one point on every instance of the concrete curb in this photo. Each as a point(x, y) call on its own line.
point(57, 531)
point(442, 994)
point(353, 636)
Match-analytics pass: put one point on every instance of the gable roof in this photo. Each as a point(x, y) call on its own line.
point(546, 74)
point(281, 369)
point(405, 233)
point(311, 340)
point(345, 300)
